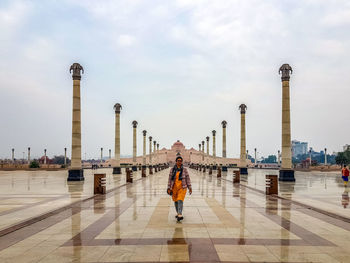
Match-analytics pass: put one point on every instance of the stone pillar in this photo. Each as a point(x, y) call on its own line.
point(101, 155)
point(150, 155)
point(28, 155)
point(158, 159)
point(200, 152)
point(144, 132)
point(134, 146)
point(116, 169)
point(243, 162)
point(254, 156)
point(207, 138)
point(310, 161)
point(13, 155)
point(154, 152)
point(286, 172)
point(65, 157)
point(44, 156)
point(214, 148)
point(279, 157)
point(76, 173)
point(203, 152)
point(325, 156)
point(224, 123)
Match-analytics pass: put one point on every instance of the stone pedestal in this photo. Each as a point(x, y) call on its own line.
point(117, 170)
point(75, 175)
point(243, 170)
point(286, 176)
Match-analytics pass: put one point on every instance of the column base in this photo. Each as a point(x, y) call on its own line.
point(76, 175)
point(224, 168)
point(134, 168)
point(243, 170)
point(117, 170)
point(286, 176)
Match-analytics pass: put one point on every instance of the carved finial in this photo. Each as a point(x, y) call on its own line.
point(213, 132)
point(224, 123)
point(117, 107)
point(144, 132)
point(134, 124)
point(202, 142)
point(76, 68)
point(243, 108)
point(150, 138)
point(207, 138)
point(154, 142)
point(285, 69)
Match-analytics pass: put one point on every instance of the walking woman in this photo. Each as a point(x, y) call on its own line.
point(179, 181)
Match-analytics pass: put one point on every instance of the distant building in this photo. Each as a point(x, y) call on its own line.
point(346, 147)
point(299, 148)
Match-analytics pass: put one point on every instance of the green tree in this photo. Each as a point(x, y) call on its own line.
point(34, 164)
point(341, 158)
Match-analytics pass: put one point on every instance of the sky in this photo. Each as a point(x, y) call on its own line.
point(178, 68)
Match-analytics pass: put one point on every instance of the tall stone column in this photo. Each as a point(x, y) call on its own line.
point(109, 154)
point(65, 157)
point(28, 155)
point(101, 154)
point(325, 156)
point(150, 156)
point(203, 152)
point(134, 146)
point(310, 157)
point(116, 169)
point(144, 132)
point(200, 152)
point(224, 123)
point(243, 160)
point(76, 173)
point(214, 148)
point(13, 155)
point(207, 139)
point(254, 156)
point(158, 153)
point(279, 157)
point(154, 153)
point(44, 156)
point(286, 171)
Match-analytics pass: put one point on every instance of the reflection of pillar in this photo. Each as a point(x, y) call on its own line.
point(286, 172)
point(28, 155)
point(76, 173)
point(144, 132)
point(101, 154)
point(150, 150)
point(214, 145)
point(325, 156)
point(116, 169)
point(65, 157)
point(134, 146)
point(13, 155)
point(243, 162)
point(224, 123)
point(254, 156)
point(44, 156)
point(203, 151)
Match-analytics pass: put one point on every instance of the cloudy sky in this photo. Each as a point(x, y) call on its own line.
point(177, 67)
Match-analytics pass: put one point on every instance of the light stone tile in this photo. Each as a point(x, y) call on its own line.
point(174, 253)
point(230, 253)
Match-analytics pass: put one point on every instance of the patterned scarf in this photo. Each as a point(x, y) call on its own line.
point(175, 170)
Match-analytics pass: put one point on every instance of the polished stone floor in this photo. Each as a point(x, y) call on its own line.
point(135, 222)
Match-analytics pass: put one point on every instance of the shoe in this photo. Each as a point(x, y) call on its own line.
point(180, 218)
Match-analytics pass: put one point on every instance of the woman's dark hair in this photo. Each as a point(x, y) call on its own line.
point(179, 157)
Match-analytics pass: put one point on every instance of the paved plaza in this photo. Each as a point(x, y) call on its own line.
point(44, 218)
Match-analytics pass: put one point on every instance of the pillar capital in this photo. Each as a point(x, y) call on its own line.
point(213, 132)
point(117, 107)
point(28, 148)
point(76, 68)
point(243, 108)
point(286, 70)
point(207, 138)
point(224, 123)
point(144, 132)
point(202, 142)
point(134, 124)
point(154, 142)
point(150, 138)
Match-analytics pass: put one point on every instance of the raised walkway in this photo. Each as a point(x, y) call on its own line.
point(46, 219)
